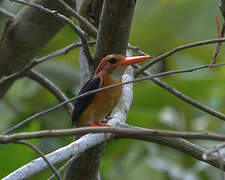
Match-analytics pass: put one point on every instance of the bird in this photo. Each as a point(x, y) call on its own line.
point(91, 110)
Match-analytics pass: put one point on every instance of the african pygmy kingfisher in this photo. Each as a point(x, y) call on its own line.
point(92, 109)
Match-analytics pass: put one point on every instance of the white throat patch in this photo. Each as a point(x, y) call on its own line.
point(118, 73)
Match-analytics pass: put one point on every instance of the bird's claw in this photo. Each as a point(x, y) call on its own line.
point(101, 124)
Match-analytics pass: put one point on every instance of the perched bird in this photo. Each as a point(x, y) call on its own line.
point(92, 109)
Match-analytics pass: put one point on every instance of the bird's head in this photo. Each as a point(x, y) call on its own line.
point(114, 65)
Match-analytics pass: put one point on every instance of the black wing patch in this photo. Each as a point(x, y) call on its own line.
point(82, 103)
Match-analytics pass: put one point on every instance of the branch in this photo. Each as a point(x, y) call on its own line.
point(62, 51)
point(182, 145)
point(216, 153)
point(23, 34)
point(88, 141)
point(182, 96)
point(78, 168)
point(113, 37)
point(92, 11)
point(85, 69)
point(61, 169)
point(148, 77)
point(220, 31)
point(220, 35)
point(35, 62)
point(91, 159)
point(137, 50)
point(38, 151)
point(82, 144)
point(51, 87)
point(64, 19)
point(222, 8)
point(118, 131)
point(179, 48)
point(86, 24)
point(7, 13)
point(73, 149)
point(174, 91)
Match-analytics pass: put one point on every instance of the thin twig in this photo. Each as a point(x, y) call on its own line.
point(185, 98)
point(137, 50)
point(64, 50)
point(81, 19)
point(35, 62)
point(18, 74)
point(216, 149)
point(89, 141)
point(179, 48)
point(215, 153)
point(38, 151)
point(218, 26)
point(187, 70)
point(222, 7)
point(174, 91)
point(220, 35)
point(150, 77)
point(61, 169)
point(220, 159)
point(64, 19)
point(4, 139)
point(39, 78)
point(7, 13)
point(83, 143)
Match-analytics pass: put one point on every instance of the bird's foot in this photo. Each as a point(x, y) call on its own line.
point(101, 124)
point(92, 124)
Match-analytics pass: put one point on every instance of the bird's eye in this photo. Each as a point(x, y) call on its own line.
point(112, 61)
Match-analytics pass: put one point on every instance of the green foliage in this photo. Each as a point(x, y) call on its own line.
point(159, 25)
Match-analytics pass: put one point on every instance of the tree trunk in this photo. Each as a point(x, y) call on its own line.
point(25, 36)
point(112, 38)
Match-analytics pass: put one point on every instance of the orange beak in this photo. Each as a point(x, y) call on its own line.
point(133, 60)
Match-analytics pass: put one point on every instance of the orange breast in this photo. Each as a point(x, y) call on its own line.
point(102, 104)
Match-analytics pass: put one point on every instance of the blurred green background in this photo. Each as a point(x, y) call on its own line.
point(158, 26)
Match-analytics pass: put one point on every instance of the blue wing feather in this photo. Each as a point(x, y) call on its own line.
point(82, 103)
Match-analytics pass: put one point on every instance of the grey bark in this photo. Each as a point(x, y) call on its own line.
point(113, 35)
point(114, 28)
point(222, 8)
point(25, 36)
point(91, 10)
point(84, 66)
